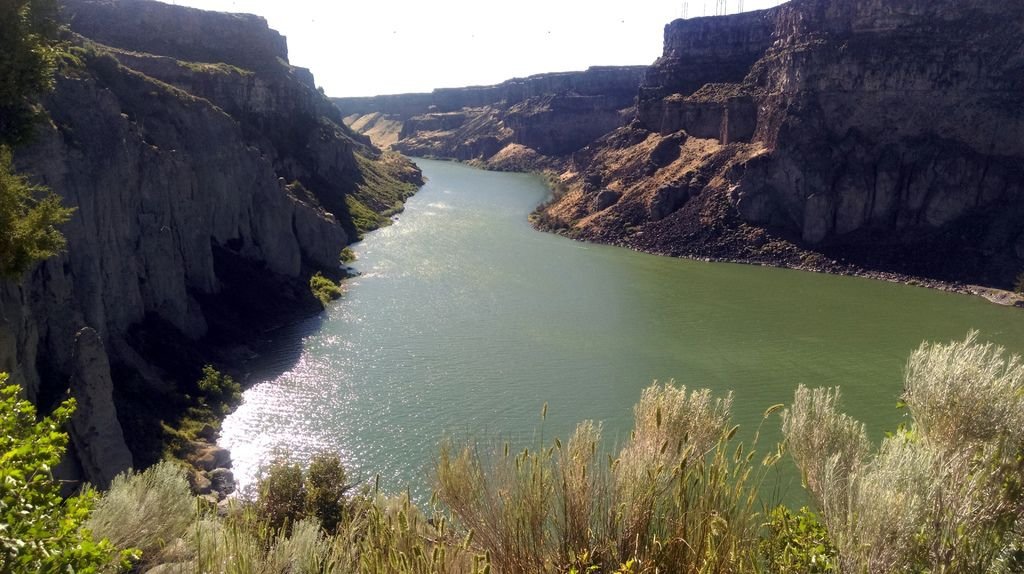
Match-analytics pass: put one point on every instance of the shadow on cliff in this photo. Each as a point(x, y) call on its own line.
point(256, 325)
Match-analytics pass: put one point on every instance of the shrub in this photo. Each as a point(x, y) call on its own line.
point(325, 488)
point(348, 255)
point(281, 494)
point(222, 391)
point(680, 497)
point(797, 543)
point(944, 493)
point(286, 494)
point(39, 530)
point(324, 289)
point(146, 510)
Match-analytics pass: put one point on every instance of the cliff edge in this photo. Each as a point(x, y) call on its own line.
point(210, 180)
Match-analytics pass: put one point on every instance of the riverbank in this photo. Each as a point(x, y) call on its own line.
point(764, 248)
point(791, 256)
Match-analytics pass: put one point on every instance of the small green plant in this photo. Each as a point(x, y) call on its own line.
point(324, 289)
point(221, 392)
point(348, 255)
point(797, 543)
point(39, 530)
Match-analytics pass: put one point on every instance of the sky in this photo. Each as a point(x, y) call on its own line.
point(370, 47)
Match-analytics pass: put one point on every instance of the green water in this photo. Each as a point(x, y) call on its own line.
point(465, 321)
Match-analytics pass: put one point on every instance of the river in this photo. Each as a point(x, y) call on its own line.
point(465, 321)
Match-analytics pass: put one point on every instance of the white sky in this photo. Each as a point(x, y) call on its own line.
point(368, 47)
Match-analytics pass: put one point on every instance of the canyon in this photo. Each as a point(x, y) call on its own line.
point(876, 136)
point(515, 125)
point(211, 179)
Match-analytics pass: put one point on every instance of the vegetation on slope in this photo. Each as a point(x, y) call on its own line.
point(942, 494)
point(380, 192)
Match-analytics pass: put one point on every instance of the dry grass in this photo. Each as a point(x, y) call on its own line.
point(680, 496)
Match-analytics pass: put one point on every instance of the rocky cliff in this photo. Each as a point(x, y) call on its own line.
point(845, 135)
point(512, 125)
point(210, 180)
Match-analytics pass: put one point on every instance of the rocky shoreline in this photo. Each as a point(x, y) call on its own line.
point(803, 260)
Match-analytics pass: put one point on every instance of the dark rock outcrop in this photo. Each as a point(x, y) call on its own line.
point(877, 134)
point(95, 430)
point(504, 125)
point(210, 179)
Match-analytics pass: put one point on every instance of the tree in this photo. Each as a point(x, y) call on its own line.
point(29, 53)
point(29, 215)
point(40, 531)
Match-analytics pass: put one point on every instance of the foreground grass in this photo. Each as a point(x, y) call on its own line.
point(943, 494)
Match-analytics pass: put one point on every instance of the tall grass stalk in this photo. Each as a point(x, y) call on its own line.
point(681, 496)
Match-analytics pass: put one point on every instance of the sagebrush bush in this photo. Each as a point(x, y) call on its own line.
point(146, 510)
point(680, 496)
point(945, 493)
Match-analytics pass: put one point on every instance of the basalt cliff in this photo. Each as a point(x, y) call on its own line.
point(210, 179)
point(881, 135)
point(523, 123)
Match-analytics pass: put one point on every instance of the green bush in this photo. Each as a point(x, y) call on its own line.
point(281, 494)
point(287, 494)
point(324, 289)
point(29, 215)
point(325, 487)
point(221, 391)
point(39, 530)
point(348, 255)
point(797, 543)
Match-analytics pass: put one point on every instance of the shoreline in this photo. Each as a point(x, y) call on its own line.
point(993, 295)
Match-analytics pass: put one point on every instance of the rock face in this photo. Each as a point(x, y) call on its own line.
point(210, 180)
point(518, 120)
point(883, 134)
point(95, 430)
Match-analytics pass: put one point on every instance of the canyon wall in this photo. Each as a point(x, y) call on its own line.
point(507, 125)
point(210, 179)
point(863, 134)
